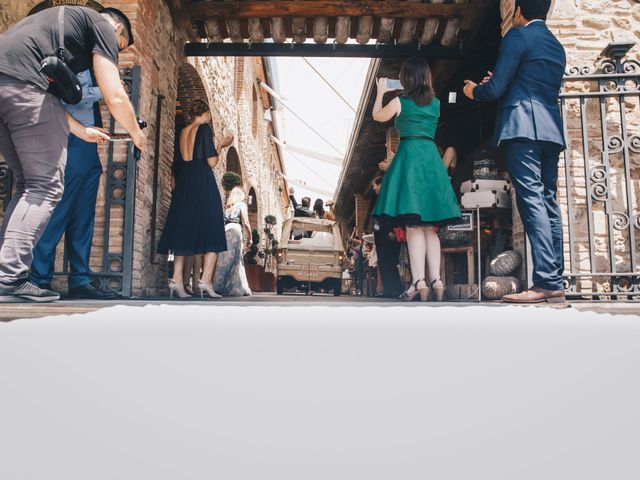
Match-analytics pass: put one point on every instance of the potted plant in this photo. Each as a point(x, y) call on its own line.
point(230, 180)
point(252, 268)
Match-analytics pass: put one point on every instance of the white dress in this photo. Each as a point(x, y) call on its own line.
point(230, 279)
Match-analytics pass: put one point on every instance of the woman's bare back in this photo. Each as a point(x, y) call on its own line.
point(187, 141)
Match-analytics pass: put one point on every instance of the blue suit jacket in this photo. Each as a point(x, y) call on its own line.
point(526, 82)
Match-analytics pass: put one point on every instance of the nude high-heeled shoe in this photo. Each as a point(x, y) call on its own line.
point(178, 290)
point(438, 290)
point(205, 287)
point(416, 289)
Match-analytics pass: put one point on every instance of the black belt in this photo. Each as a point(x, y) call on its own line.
point(416, 137)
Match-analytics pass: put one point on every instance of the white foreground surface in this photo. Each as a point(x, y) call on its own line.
point(253, 393)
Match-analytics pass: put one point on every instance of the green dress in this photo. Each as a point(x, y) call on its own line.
point(416, 189)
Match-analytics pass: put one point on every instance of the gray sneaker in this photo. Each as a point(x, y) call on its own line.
point(27, 291)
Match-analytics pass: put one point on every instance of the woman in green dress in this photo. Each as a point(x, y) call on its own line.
point(416, 192)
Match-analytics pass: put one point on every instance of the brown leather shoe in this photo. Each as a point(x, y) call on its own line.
point(536, 295)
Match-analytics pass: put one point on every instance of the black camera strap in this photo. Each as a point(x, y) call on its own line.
point(61, 48)
point(63, 82)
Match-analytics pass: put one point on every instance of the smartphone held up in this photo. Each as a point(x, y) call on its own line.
point(393, 84)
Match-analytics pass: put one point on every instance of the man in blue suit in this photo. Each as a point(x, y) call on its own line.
point(74, 215)
point(526, 82)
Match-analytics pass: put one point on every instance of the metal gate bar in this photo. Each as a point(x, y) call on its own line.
point(617, 80)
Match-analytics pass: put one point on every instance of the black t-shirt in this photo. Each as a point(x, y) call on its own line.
point(26, 44)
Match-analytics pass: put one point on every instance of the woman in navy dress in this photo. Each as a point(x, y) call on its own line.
point(195, 224)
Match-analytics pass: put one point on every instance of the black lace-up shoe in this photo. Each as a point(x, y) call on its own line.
point(89, 292)
point(27, 291)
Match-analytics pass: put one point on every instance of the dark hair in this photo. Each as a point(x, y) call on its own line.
point(197, 108)
point(306, 201)
point(119, 17)
point(534, 9)
point(415, 76)
point(318, 207)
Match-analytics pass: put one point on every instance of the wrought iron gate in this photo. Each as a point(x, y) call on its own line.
point(599, 187)
point(116, 273)
point(116, 266)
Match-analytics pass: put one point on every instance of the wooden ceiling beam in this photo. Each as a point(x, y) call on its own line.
point(299, 29)
point(320, 30)
point(365, 26)
point(312, 8)
point(256, 32)
point(235, 30)
point(385, 32)
point(343, 29)
point(407, 31)
point(278, 30)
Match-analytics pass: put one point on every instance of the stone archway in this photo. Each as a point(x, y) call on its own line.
point(233, 161)
point(190, 88)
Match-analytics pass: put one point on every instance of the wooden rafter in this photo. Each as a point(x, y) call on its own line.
point(313, 8)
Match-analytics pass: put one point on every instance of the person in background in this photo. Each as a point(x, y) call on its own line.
point(416, 192)
point(195, 223)
point(526, 82)
point(320, 212)
point(356, 254)
point(387, 251)
point(372, 285)
point(230, 279)
point(300, 210)
point(30, 115)
point(74, 215)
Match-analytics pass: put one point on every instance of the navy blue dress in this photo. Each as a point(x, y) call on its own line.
point(195, 223)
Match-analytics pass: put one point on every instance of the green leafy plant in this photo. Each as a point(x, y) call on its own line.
point(271, 244)
point(230, 180)
point(252, 252)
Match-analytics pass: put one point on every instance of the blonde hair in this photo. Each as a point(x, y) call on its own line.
point(236, 195)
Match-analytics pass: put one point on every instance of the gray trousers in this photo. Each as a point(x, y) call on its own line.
point(33, 141)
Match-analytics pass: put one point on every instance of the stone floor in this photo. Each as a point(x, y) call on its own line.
point(69, 307)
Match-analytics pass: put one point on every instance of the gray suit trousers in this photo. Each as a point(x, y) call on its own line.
point(33, 141)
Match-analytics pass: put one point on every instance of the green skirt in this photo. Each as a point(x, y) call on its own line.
point(416, 189)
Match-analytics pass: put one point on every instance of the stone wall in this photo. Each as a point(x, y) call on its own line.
point(164, 71)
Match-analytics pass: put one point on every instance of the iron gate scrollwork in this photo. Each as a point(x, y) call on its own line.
point(116, 267)
point(599, 178)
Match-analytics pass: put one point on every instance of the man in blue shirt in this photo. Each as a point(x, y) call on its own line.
point(74, 215)
point(526, 82)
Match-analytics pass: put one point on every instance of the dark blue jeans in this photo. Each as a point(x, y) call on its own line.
point(533, 167)
point(73, 216)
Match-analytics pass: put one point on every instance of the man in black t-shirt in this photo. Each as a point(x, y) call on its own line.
point(34, 126)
